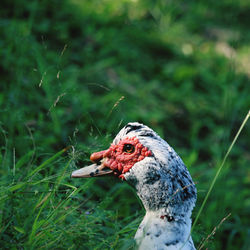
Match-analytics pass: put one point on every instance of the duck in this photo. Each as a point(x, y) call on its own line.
point(139, 156)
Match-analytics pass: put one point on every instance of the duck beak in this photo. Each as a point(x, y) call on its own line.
point(93, 170)
point(99, 167)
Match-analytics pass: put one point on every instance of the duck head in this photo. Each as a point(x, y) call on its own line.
point(139, 156)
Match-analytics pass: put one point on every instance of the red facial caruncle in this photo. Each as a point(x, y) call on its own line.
point(121, 157)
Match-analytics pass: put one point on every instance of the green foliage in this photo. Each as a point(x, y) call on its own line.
point(74, 72)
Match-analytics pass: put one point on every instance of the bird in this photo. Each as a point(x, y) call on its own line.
point(139, 156)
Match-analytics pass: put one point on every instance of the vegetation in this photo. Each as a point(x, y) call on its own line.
point(74, 72)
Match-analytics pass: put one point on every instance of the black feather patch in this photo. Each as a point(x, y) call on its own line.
point(131, 127)
point(148, 134)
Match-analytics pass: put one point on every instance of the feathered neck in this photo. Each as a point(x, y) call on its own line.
point(158, 232)
point(168, 195)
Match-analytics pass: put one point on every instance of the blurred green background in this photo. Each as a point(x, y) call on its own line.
point(74, 72)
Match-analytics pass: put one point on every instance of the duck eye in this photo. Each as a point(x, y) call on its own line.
point(128, 148)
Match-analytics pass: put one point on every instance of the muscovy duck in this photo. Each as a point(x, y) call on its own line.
point(141, 157)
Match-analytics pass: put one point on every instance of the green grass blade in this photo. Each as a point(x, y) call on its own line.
point(17, 186)
point(36, 221)
point(45, 163)
point(24, 159)
point(217, 174)
point(219, 170)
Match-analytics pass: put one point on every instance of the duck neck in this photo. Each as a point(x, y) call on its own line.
point(161, 230)
point(165, 202)
point(167, 222)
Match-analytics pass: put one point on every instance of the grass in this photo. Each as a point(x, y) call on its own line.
point(76, 76)
point(216, 177)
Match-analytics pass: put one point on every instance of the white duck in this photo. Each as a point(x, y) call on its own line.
point(161, 180)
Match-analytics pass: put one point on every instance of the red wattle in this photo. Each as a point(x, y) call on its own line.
point(120, 161)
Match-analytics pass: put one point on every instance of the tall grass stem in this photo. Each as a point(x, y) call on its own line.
point(219, 170)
